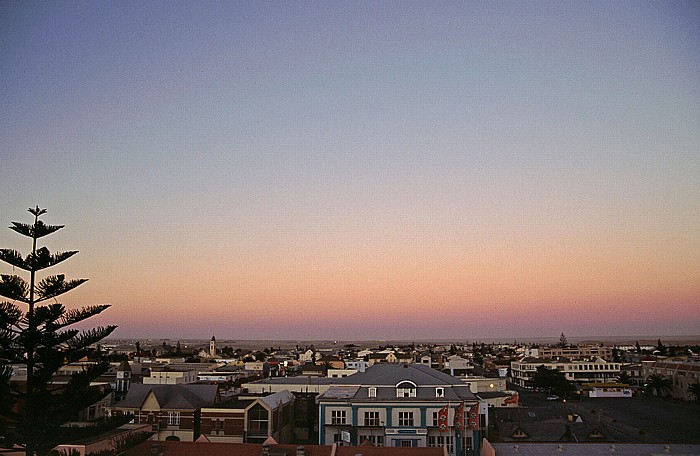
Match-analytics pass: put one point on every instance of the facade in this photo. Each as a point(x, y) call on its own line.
point(360, 365)
point(607, 390)
point(123, 380)
point(250, 420)
point(682, 375)
point(172, 410)
point(219, 377)
point(577, 371)
point(480, 384)
point(575, 351)
point(340, 373)
point(298, 384)
point(169, 376)
point(397, 405)
point(456, 365)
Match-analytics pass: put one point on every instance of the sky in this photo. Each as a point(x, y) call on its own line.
point(360, 170)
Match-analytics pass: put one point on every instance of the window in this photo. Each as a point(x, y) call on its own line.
point(371, 418)
point(257, 420)
point(406, 389)
point(439, 441)
point(439, 392)
point(173, 418)
point(436, 422)
point(376, 440)
point(372, 392)
point(338, 416)
point(405, 418)
point(218, 425)
point(338, 439)
point(467, 444)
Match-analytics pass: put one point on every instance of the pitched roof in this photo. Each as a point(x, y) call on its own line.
point(383, 378)
point(186, 397)
point(250, 449)
point(273, 400)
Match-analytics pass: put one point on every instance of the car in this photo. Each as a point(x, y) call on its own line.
point(553, 398)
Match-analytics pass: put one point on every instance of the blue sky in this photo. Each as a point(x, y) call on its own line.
point(284, 160)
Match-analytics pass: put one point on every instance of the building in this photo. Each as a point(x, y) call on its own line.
point(273, 449)
point(250, 420)
point(456, 365)
point(578, 371)
point(123, 380)
point(389, 356)
point(167, 375)
point(481, 384)
point(172, 410)
point(588, 449)
point(574, 351)
point(103, 442)
point(360, 365)
point(298, 384)
point(607, 390)
point(682, 375)
point(397, 405)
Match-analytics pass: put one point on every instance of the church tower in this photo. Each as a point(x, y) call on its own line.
point(123, 380)
point(212, 347)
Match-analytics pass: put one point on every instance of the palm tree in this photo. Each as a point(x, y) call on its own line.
point(624, 377)
point(657, 384)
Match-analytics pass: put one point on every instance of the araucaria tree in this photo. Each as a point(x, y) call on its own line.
point(34, 332)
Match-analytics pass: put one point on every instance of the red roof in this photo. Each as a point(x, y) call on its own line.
point(252, 449)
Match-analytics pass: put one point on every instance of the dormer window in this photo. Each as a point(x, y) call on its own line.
point(406, 389)
point(372, 392)
point(439, 392)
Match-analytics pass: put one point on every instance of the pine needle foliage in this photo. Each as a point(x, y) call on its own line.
point(37, 336)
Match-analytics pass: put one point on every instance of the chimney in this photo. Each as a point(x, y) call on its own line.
point(266, 449)
point(301, 451)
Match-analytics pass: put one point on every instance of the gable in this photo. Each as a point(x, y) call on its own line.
point(519, 434)
point(150, 403)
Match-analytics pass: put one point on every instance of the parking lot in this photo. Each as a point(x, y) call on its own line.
point(636, 419)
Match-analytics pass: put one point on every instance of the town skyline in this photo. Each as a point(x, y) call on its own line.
point(332, 171)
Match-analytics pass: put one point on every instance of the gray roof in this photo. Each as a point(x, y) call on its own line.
point(281, 397)
point(391, 374)
point(176, 397)
point(385, 378)
point(594, 449)
point(298, 380)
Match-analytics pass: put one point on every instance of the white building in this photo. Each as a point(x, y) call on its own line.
point(577, 371)
point(166, 376)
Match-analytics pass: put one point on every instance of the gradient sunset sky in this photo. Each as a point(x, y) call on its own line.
point(361, 170)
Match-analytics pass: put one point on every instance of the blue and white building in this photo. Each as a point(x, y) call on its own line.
point(398, 405)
